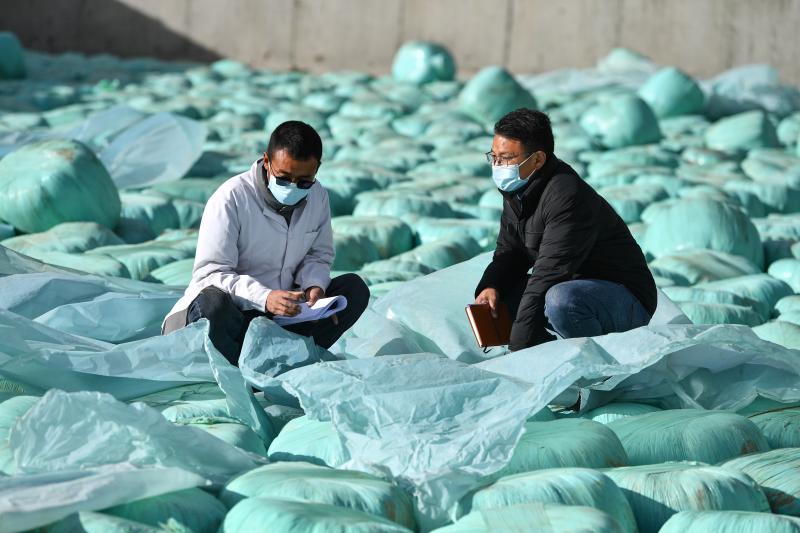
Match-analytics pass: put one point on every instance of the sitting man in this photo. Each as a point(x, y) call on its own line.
point(266, 244)
point(589, 275)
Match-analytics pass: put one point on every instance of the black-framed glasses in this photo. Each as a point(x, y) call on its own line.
point(492, 158)
point(301, 184)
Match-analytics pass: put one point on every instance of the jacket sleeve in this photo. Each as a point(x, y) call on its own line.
point(315, 268)
point(217, 255)
point(569, 235)
point(509, 262)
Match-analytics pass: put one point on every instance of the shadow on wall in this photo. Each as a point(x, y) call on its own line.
point(95, 27)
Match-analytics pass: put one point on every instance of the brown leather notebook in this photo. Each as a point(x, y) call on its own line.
point(489, 331)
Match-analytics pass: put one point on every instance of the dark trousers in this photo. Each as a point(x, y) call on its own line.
point(228, 324)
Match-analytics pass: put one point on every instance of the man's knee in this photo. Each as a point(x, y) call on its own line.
point(356, 291)
point(211, 302)
point(557, 301)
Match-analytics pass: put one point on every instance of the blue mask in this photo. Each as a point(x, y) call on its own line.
point(507, 177)
point(286, 194)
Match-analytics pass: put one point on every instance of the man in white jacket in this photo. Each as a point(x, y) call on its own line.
point(266, 244)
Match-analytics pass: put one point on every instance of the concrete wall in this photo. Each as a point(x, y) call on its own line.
point(703, 37)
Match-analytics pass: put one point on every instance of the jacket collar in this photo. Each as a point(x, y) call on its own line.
point(527, 201)
point(261, 183)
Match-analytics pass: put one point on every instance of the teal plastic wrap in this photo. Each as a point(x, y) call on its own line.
point(762, 289)
point(621, 121)
point(656, 492)
point(422, 62)
point(149, 211)
point(786, 334)
point(671, 92)
point(780, 426)
point(492, 93)
point(11, 410)
point(687, 435)
point(617, 411)
point(711, 313)
point(12, 57)
point(90, 522)
point(787, 270)
point(312, 483)
point(703, 224)
point(306, 440)
point(730, 522)
point(547, 518)
point(235, 434)
point(69, 237)
point(697, 266)
point(46, 183)
point(565, 486)
point(776, 472)
point(391, 236)
point(191, 509)
point(301, 517)
point(141, 259)
point(352, 251)
point(744, 131)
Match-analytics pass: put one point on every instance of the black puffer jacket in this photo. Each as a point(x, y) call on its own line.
point(566, 231)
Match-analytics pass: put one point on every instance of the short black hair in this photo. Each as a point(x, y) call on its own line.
point(528, 126)
point(298, 138)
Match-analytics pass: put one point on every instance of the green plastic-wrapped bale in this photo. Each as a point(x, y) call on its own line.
point(304, 439)
point(177, 273)
point(540, 517)
point(422, 62)
point(565, 486)
point(780, 332)
point(703, 224)
point(687, 435)
point(620, 121)
point(618, 410)
point(697, 266)
point(778, 474)
point(711, 313)
point(567, 442)
point(656, 492)
point(352, 251)
point(787, 270)
point(69, 237)
point(90, 263)
point(287, 516)
point(298, 481)
point(781, 426)
point(235, 434)
point(491, 93)
point(90, 522)
point(46, 183)
point(762, 289)
point(671, 92)
point(192, 509)
point(391, 236)
point(141, 259)
point(12, 57)
point(730, 522)
point(745, 131)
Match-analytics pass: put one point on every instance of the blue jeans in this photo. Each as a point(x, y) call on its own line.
point(591, 307)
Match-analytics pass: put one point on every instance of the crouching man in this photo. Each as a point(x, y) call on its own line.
point(266, 244)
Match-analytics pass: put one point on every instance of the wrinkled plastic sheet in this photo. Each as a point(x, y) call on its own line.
point(136, 148)
point(420, 413)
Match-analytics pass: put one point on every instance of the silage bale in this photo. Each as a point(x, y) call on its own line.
point(352, 251)
point(90, 263)
point(671, 92)
point(788, 130)
point(780, 332)
point(564, 486)
point(422, 62)
point(656, 492)
point(540, 517)
point(710, 296)
point(141, 259)
point(567, 442)
point(775, 197)
point(740, 132)
point(91, 522)
point(153, 213)
point(45, 183)
point(730, 522)
point(391, 236)
point(630, 200)
point(704, 224)
point(780, 426)
point(778, 474)
point(431, 256)
point(711, 313)
point(787, 270)
point(178, 273)
point(687, 435)
point(286, 516)
point(618, 410)
point(435, 229)
point(304, 439)
point(192, 509)
point(312, 483)
point(235, 434)
point(68, 237)
point(788, 304)
point(398, 204)
point(11, 410)
point(491, 93)
point(12, 57)
point(193, 189)
point(620, 121)
point(696, 266)
point(762, 289)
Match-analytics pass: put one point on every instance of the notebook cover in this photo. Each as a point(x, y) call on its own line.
point(489, 331)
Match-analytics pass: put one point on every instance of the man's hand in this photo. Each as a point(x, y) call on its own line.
point(489, 296)
point(313, 294)
point(283, 303)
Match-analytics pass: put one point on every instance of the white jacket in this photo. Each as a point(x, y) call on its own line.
point(246, 249)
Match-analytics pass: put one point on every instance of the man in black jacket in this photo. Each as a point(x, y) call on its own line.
point(589, 275)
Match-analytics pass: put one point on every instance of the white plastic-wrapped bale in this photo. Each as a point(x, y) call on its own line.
point(304, 439)
point(312, 483)
point(287, 516)
point(391, 236)
point(568, 442)
point(730, 522)
point(10, 411)
point(778, 474)
point(656, 492)
point(618, 410)
point(565, 486)
point(46, 183)
point(687, 435)
point(540, 517)
point(191, 509)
